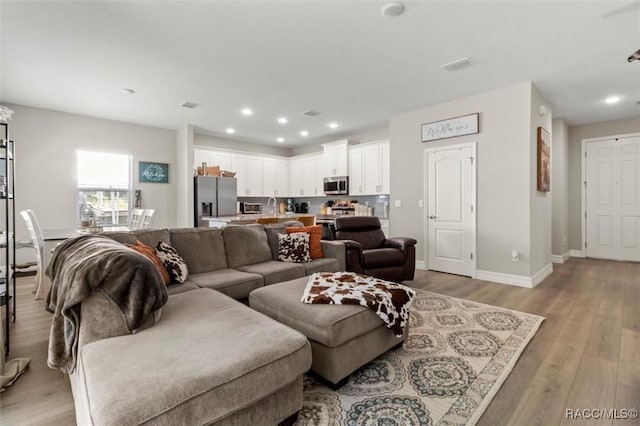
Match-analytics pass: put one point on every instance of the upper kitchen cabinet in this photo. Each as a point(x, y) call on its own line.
point(248, 170)
point(369, 169)
point(336, 158)
point(275, 177)
point(305, 175)
point(212, 157)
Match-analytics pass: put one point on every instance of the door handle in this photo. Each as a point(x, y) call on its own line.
point(433, 217)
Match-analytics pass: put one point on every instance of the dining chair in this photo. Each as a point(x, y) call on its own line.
point(147, 218)
point(135, 219)
point(35, 232)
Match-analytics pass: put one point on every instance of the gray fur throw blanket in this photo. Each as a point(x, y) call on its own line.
point(390, 301)
point(83, 264)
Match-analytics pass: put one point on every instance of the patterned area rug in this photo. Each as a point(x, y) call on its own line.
point(455, 359)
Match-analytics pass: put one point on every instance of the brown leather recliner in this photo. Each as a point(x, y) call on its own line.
point(369, 252)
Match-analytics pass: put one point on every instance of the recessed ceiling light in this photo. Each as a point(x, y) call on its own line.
point(282, 120)
point(613, 99)
point(304, 133)
point(280, 140)
point(247, 111)
point(392, 9)
point(230, 130)
point(127, 91)
point(333, 125)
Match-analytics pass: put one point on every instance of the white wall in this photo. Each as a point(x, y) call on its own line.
point(559, 187)
point(576, 135)
point(46, 144)
point(503, 175)
point(540, 201)
point(355, 138)
point(184, 180)
point(221, 143)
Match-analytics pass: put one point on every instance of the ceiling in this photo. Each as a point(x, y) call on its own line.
point(343, 59)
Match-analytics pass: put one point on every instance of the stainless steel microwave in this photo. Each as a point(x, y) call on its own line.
point(336, 185)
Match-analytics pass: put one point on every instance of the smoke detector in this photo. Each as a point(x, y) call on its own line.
point(190, 105)
point(392, 9)
point(457, 64)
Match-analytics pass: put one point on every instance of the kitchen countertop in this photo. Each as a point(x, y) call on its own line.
point(250, 218)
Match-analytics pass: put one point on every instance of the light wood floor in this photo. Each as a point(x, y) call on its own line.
point(586, 354)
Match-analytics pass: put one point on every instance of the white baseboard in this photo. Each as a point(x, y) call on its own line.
point(560, 258)
point(543, 273)
point(420, 265)
point(517, 280)
point(576, 253)
point(499, 277)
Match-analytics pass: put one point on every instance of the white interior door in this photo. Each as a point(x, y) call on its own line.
point(613, 199)
point(450, 215)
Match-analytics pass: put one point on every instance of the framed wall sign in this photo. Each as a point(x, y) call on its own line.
point(544, 160)
point(450, 128)
point(153, 172)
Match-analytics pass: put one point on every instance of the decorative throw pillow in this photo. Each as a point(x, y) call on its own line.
point(315, 236)
point(294, 247)
point(150, 253)
point(175, 264)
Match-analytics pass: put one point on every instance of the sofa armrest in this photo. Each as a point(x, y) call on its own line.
point(400, 243)
point(336, 250)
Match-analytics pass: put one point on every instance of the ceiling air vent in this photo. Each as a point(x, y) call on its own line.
point(310, 113)
point(190, 105)
point(457, 64)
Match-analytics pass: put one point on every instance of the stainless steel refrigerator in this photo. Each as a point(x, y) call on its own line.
point(214, 196)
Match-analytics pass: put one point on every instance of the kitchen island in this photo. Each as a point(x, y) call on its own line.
point(247, 219)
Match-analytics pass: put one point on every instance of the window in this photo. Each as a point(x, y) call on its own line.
point(104, 187)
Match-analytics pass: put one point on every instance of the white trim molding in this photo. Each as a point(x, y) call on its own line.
point(560, 258)
point(420, 265)
point(517, 280)
point(576, 253)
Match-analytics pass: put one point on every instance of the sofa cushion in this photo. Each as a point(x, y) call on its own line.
point(273, 229)
point(246, 245)
point(202, 248)
point(122, 237)
point(382, 257)
point(328, 264)
point(175, 264)
point(331, 325)
point(233, 283)
point(196, 352)
point(294, 248)
point(274, 272)
point(151, 237)
point(315, 236)
point(181, 288)
point(150, 253)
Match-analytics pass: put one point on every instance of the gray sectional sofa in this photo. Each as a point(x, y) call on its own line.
point(210, 359)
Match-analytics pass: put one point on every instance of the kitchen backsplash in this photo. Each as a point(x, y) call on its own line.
point(377, 202)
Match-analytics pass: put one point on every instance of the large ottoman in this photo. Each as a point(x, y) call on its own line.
point(343, 337)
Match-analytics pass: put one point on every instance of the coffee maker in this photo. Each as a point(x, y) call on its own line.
point(301, 208)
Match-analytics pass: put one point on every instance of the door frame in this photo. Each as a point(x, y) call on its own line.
point(583, 193)
point(474, 200)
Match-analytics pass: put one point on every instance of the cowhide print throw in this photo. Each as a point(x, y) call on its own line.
point(390, 301)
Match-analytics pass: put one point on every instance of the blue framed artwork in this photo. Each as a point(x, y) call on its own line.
point(149, 172)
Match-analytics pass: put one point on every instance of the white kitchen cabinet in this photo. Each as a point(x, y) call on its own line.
point(212, 157)
point(275, 177)
point(355, 171)
point(309, 176)
point(369, 169)
point(336, 158)
point(295, 177)
point(319, 179)
point(248, 170)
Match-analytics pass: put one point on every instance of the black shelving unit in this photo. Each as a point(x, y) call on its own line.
point(7, 240)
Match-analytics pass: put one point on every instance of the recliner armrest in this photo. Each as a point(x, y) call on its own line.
point(351, 245)
point(400, 243)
